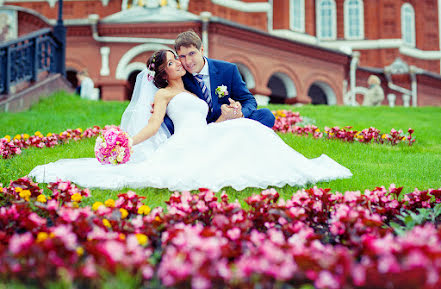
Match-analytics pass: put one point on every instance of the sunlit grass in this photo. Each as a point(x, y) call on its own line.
point(372, 164)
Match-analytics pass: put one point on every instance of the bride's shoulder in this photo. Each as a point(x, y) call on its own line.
point(163, 93)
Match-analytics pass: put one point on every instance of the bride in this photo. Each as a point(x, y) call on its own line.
point(239, 153)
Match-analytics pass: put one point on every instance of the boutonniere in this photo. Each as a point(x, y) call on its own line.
point(221, 91)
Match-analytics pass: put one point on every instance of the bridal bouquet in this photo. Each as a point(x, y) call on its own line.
point(113, 146)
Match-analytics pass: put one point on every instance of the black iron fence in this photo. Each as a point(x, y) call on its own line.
point(23, 59)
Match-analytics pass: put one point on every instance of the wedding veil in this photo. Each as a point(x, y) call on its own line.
point(137, 115)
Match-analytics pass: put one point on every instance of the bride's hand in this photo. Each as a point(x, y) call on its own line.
point(237, 108)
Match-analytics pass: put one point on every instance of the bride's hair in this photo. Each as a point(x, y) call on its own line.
point(156, 64)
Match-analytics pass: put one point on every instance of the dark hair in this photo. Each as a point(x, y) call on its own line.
point(187, 39)
point(156, 63)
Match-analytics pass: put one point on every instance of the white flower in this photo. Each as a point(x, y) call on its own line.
point(221, 91)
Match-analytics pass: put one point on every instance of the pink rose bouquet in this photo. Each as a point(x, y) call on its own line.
point(113, 146)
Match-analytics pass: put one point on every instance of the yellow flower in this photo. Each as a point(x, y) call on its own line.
point(8, 137)
point(61, 134)
point(384, 136)
point(157, 218)
point(37, 133)
point(42, 236)
point(80, 129)
point(51, 235)
point(96, 205)
point(75, 205)
point(317, 130)
point(144, 210)
point(142, 239)
point(106, 223)
point(18, 189)
point(110, 203)
point(25, 136)
point(41, 198)
point(80, 251)
point(122, 236)
point(49, 134)
point(76, 197)
point(124, 213)
point(25, 194)
point(17, 136)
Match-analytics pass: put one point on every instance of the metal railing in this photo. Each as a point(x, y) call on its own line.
point(22, 59)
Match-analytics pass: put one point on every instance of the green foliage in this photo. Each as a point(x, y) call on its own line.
point(411, 219)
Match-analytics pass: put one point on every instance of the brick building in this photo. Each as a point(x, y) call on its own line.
point(286, 50)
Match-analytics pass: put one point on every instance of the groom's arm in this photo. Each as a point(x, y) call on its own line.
point(240, 92)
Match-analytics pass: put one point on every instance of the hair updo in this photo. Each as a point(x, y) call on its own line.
point(156, 63)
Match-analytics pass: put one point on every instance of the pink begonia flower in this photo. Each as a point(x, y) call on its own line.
point(52, 205)
point(358, 273)
point(202, 207)
point(114, 249)
point(64, 232)
point(63, 185)
point(20, 242)
point(37, 220)
point(209, 196)
point(257, 237)
point(295, 212)
point(234, 234)
point(147, 272)
point(326, 280)
point(416, 259)
point(89, 269)
point(351, 196)
point(388, 264)
point(276, 237)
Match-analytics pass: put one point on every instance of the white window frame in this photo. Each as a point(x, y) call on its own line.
point(301, 7)
point(347, 19)
point(333, 35)
point(405, 8)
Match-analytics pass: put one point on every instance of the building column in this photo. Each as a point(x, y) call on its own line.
point(105, 51)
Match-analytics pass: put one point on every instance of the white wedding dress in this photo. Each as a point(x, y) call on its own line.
point(239, 153)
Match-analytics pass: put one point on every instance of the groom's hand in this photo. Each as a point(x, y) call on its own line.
point(227, 112)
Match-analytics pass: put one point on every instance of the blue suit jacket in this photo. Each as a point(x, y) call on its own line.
point(221, 73)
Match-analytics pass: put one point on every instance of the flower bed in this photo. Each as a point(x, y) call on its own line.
point(286, 122)
point(11, 147)
point(330, 240)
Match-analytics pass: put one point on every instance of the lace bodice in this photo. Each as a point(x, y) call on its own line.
point(187, 111)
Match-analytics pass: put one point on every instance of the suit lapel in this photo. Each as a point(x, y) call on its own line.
point(191, 84)
point(214, 83)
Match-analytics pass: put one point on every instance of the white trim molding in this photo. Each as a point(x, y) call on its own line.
point(347, 19)
point(296, 36)
point(134, 66)
point(333, 19)
point(293, 6)
point(243, 6)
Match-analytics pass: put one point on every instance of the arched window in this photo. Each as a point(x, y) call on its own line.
point(408, 24)
point(326, 20)
point(354, 19)
point(297, 15)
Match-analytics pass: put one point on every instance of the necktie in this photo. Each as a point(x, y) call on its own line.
point(205, 93)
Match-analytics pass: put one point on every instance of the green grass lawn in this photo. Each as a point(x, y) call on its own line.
point(372, 164)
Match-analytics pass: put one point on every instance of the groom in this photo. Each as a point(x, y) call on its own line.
point(218, 83)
